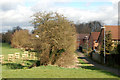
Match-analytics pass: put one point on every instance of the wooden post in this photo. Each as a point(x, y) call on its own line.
point(1, 58)
point(11, 57)
point(24, 56)
point(17, 55)
point(32, 55)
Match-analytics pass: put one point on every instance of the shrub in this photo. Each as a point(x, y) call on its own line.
point(56, 35)
point(14, 66)
point(30, 63)
point(20, 38)
point(66, 60)
point(27, 63)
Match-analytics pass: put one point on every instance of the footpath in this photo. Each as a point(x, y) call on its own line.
point(100, 66)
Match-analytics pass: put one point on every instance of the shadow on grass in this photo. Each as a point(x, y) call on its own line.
point(87, 65)
point(81, 60)
point(24, 65)
point(13, 65)
point(97, 69)
point(84, 63)
point(92, 67)
point(32, 61)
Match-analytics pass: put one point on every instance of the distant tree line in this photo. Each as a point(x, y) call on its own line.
point(7, 37)
point(92, 26)
point(17, 37)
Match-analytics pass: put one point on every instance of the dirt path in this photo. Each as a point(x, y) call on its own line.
point(92, 63)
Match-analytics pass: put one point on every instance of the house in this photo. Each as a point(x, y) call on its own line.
point(96, 38)
point(81, 39)
point(114, 30)
point(92, 40)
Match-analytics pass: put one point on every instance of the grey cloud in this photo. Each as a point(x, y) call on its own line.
point(119, 13)
point(6, 7)
point(21, 14)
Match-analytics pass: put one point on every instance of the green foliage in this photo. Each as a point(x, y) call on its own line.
point(13, 66)
point(108, 43)
point(56, 35)
point(27, 63)
point(24, 65)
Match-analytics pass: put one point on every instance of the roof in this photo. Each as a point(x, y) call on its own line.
point(94, 35)
point(82, 36)
point(115, 31)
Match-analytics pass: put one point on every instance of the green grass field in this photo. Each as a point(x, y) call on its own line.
point(7, 49)
point(56, 72)
point(85, 71)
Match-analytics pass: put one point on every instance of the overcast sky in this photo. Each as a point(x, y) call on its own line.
point(18, 12)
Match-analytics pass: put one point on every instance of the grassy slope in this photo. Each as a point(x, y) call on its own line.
point(6, 49)
point(85, 71)
point(56, 72)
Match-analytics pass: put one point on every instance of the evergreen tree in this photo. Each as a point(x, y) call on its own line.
point(108, 42)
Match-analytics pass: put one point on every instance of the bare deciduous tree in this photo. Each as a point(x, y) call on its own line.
point(56, 35)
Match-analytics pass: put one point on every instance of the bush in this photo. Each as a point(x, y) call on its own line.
point(37, 63)
point(27, 63)
point(13, 66)
point(30, 63)
point(67, 60)
point(56, 35)
point(20, 38)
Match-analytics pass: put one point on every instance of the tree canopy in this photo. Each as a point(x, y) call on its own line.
point(56, 36)
point(21, 38)
point(92, 26)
